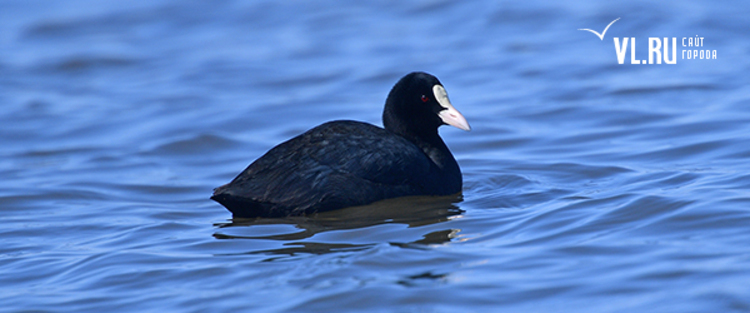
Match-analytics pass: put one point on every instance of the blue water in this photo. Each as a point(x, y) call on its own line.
point(589, 186)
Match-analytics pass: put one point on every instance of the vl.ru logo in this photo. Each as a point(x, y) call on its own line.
point(654, 52)
point(658, 48)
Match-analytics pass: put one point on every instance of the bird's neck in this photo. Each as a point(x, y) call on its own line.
point(434, 147)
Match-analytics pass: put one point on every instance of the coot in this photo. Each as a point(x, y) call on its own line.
point(347, 163)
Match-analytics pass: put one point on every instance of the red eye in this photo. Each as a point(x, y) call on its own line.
point(425, 99)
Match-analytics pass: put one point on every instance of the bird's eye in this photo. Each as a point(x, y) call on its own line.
point(425, 99)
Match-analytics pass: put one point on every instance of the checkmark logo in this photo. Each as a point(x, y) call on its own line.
point(601, 36)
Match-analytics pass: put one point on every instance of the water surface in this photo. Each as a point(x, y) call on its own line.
point(588, 185)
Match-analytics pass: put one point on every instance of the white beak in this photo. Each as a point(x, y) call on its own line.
point(450, 115)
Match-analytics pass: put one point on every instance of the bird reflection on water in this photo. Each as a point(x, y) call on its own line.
point(411, 211)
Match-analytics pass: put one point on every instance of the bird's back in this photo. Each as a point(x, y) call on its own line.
point(335, 165)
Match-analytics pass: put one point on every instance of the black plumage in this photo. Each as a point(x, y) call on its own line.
point(347, 163)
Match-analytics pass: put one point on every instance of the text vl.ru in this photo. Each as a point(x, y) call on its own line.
point(659, 50)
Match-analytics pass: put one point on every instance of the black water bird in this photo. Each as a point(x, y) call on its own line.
point(347, 163)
